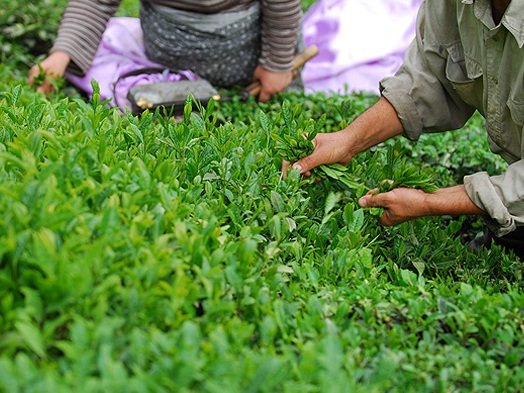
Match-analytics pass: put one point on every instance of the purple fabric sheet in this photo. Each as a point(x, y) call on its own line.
point(360, 42)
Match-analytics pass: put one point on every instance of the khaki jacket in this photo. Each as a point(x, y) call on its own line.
point(460, 62)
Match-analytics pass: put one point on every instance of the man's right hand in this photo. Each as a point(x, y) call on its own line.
point(53, 66)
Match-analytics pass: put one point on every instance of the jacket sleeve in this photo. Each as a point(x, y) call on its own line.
point(501, 197)
point(281, 24)
point(81, 29)
point(421, 93)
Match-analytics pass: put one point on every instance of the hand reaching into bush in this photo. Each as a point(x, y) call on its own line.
point(45, 74)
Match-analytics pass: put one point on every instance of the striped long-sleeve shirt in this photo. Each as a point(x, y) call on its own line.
point(84, 22)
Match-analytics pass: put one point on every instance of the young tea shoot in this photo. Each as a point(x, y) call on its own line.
point(294, 140)
point(400, 174)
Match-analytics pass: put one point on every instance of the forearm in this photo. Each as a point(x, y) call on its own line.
point(62, 57)
point(379, 123)
point(450, 201)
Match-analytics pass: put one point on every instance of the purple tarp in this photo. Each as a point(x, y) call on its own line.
point(360, 42)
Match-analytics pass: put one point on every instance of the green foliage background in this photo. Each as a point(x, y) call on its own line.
point(145, 254)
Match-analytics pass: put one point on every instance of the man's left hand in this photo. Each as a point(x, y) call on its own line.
point(400, 204)
point(271, 82)
point(403, 204)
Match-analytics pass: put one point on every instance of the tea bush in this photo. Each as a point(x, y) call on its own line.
point(140, 253)
point(28, 28)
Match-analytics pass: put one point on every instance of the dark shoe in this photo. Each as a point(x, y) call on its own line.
point(482, 241)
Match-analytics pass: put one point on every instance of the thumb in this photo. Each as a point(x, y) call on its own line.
point(46, 87)
point(263, 96)
point(304, 165)
point(33, 72)
point(372, 200)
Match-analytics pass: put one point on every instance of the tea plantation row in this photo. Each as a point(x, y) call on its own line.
point(149, 254)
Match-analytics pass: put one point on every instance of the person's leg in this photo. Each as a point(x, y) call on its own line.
point(513, 241)
point(222, 48)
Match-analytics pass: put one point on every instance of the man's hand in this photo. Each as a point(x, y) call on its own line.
point(330, 148)
point(400, 204)
point(53, 66)
point(378, 123)
point(403, 204)
point(271, 82)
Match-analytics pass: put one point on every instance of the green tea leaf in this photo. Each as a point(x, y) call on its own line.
point(32, 337)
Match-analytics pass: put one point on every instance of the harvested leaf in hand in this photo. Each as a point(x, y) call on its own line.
point(399, 174)
point(294, 140)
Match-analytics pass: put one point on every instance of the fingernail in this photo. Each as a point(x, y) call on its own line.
point(363, 202)
point(297, 167)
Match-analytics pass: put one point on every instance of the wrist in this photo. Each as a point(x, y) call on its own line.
point(352, 142)
point(61, 56)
